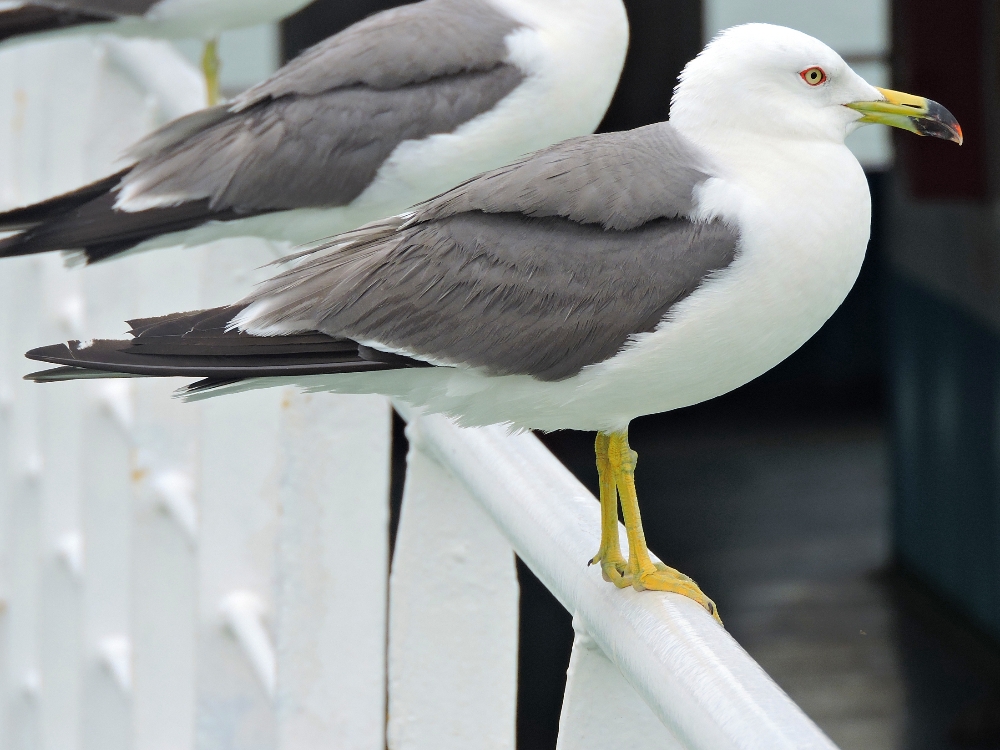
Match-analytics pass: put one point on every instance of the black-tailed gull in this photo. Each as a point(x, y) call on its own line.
point(392, 111)
point(595, 281)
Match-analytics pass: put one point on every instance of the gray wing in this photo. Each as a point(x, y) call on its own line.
point(311, 151)
point(398, 47)
point(537, 286)
point(316, 133)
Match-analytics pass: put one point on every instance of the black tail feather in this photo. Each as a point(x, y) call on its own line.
point(60, 374)
point(99, 230)
point(198, 345)
point(87, 220)
point(38, 213)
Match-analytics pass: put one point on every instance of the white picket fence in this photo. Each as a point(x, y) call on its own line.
point(215, 576)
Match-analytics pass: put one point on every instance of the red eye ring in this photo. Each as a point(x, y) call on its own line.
point(814, 76)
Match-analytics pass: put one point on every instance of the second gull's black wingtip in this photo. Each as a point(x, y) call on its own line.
point(54, 353)
point(64, 373)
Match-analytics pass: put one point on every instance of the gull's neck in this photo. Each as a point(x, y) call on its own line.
point(754, 170)
point(745, 147)
point(750, 157)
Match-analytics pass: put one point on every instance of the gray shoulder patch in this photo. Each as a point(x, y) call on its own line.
point(407, 45)
point(618, 180)
point(504, 292)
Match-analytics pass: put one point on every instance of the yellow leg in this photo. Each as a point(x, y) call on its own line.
point(210, 67)
point(610, 554)
point(642, 572)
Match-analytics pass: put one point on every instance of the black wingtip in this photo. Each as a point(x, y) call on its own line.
point(31, 222)
point(87, 223)
point(17, 246)
point(38, 213)
point(53, 353)
point(207, 384)
point(62, 374)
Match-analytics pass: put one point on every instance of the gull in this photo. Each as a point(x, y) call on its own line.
point(170, 19)
point(390, 112)
point(590, 283)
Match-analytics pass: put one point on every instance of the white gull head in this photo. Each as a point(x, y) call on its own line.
point(769, 81)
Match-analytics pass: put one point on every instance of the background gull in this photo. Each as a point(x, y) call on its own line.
point(171, 19)
point(387, 113)
point(598, 280)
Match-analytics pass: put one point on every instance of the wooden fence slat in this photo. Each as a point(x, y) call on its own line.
point(7, 391)
point(237, 530)
point(25, 678)
point(61, 541)
point(106, 514)
point(109, 480)
point(166, 522)
point(601, 710)
point(453, 619)
point(236, 562)
point(25, 176)
point(332, 571)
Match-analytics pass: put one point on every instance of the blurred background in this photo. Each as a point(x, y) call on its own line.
point(843, 509)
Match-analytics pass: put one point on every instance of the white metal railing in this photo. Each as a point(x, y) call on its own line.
point(708, 693)
point(215, 575)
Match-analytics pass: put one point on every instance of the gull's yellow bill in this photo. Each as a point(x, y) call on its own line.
point(914, 113)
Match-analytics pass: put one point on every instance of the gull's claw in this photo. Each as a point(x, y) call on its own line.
point(664, 578)
point(613, 568)
point(616, 468)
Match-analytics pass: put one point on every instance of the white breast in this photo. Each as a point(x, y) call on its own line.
point(804, 231)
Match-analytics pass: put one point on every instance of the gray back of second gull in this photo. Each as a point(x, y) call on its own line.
point(120, 7)
point(316, 133)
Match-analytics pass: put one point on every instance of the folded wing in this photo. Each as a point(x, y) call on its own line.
point(313, 136)
point(199, 345)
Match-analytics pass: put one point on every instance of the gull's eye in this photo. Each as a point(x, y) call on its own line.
point(814, 76)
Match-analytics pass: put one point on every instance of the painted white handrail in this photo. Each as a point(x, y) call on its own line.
point(704, 687)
